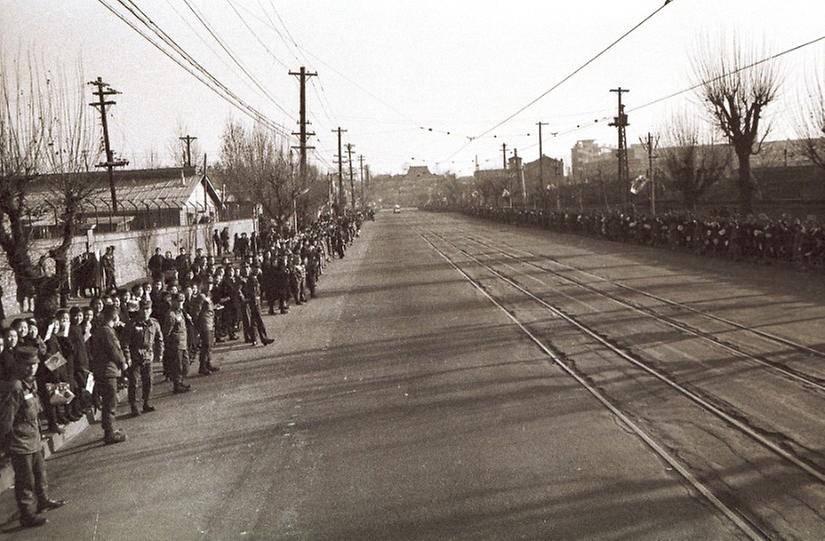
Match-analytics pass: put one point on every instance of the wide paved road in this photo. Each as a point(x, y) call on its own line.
point(404, 403)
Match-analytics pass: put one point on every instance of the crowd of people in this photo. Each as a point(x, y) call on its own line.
point(186, 305)
point(800, 242)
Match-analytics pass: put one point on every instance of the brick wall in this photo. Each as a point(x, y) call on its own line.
point(132, 251)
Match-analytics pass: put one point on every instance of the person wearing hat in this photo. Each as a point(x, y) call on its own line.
point(109, 362)
point(21, 439)
point(175, 342)
point(144, 345)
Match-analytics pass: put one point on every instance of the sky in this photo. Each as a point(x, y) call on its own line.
point(412, 81)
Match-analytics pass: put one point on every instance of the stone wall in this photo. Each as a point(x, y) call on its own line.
point(132, 251)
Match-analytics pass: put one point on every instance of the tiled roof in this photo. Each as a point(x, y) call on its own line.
point(159, 188)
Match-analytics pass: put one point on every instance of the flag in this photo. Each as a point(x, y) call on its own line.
point(637, 184)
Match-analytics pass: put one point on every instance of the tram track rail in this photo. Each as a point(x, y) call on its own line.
point(802, 348)
point(739, 519)
point(694, 396)
point(786, 371)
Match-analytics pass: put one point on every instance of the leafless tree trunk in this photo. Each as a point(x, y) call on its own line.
point(71, 136)
point(736, 95)
point(43, 130)
point(254, 165)
point(810, 125)
point(693, 161)
point(22, 134)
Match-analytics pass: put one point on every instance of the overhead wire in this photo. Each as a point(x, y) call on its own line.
point(256, 36)
point(232, 56)
point(577, 70)
point(564, 79)
point(193, 68)
point(700, 84)
point(209, 46)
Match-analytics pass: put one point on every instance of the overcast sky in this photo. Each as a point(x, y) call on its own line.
point(388, 68)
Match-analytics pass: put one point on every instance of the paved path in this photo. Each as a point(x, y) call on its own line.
point(400, 404)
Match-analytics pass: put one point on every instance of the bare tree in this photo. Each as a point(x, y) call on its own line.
point(810, 125)
point(736, 90)
point(22, 133)
point(71, 136)
point(46, 144)
point(692, 160)
point(253, 164)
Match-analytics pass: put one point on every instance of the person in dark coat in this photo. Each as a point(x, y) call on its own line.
point(108, 363)
point(282, 279)
point(79, 347)
point(216, 241)
point(251, 293)
point(22, 442)
point(183, 263)
point(144, 346)
point(156, 266)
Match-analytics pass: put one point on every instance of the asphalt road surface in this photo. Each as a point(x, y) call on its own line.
point(461, 379)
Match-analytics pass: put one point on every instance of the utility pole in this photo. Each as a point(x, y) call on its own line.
point(340, 171)
point(361, 161)
point(303, 134)
point(520, 173)
point(367, 185)
point(650, 146)
point(620, 123)
point(292, 185)
point(541, 159)
point(504, 155)
point(350, 146)
point(103, 90)
point(188, 140)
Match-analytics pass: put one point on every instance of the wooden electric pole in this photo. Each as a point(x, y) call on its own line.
point(361, 161)
point(103, 90)
point(650, 146)
point(303, 134)
point(620, 123)
point(351, 175)
point(188, 140)
point(541, 160)
point(504, 155)
point(340, 172)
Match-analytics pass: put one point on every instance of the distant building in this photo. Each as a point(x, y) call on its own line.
point(415, 187)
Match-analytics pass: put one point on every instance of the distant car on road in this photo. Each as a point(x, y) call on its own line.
point(396, 209)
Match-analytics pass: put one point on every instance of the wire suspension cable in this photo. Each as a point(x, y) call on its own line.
point(577, 70)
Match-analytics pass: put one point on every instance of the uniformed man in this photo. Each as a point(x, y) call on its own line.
point(109, 362)
point(21, 439)
point(175, 342)
point(251, 293)
point(281, 281)
point(144, 345)
point(206, 329)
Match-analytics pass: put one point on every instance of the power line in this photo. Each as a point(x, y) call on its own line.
point(205, 77)
point(255, 35)
point(232, 56)
point(209, 46)
point(702, 83)
point(580, 68)
point(277, 31)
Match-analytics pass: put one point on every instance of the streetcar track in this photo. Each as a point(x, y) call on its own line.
point(762, 334)
point(741, 521)
point(737, 421)
point(791, 373)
